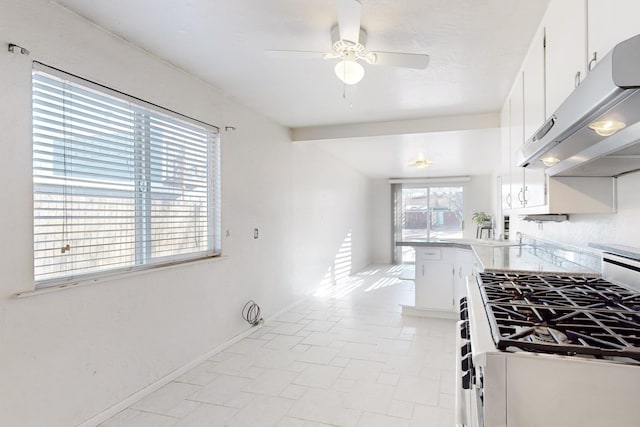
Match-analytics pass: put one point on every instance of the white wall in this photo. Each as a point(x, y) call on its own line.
point(331, 210)
point(621, 228)
point(381, 225)
point(68, 355)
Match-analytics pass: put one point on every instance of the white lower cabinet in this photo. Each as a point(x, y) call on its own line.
point(464, 268)
point(434, 278)
point(440, 277)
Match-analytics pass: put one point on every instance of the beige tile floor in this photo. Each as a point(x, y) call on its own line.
point(345, 357)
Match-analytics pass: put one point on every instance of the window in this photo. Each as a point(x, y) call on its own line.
point(425, 212)
point(118, 184)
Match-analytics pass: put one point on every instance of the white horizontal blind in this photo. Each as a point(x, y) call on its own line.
point(119, 184)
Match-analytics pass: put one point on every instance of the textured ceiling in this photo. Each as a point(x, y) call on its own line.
point(475, 46)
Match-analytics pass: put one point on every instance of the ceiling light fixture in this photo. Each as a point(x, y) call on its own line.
point(420, 162)
point(606, 127)
point(550, 161)
point(349, 71)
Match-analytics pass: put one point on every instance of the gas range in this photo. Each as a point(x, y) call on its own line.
point(562, 315)
point(568, 344)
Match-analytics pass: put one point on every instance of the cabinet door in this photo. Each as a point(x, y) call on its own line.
point(517, 139)
point(434, 278)
point(610, 22)
point(435, 292)
point(463, 268)
point(505, 140)
point(533, 81)
point(565, 47)
point(534, 115)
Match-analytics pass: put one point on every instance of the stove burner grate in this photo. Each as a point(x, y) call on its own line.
point(562, 315)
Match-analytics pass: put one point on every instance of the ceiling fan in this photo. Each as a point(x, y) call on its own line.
point(349, 46)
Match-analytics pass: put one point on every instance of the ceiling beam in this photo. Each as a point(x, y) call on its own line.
point(397, 127)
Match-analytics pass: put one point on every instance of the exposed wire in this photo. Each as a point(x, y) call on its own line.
point(251, 313)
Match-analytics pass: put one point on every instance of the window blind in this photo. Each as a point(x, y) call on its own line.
point(118, 184)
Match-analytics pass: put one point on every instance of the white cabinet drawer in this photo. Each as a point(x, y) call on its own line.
point(427, 254)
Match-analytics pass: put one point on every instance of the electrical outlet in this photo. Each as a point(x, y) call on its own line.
point(255, 233)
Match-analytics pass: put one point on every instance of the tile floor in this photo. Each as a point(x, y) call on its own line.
point(346, 357)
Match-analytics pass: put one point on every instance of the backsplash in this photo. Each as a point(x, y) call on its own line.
point(560, 254)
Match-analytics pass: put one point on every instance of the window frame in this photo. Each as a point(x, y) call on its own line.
point(141, 259)
point(397, 187)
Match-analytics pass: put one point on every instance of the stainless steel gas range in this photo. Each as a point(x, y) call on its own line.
point(547, 351)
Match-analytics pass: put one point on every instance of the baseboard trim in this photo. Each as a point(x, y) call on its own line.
point(139, 395)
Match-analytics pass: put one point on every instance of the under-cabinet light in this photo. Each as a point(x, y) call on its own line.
point(606, 127)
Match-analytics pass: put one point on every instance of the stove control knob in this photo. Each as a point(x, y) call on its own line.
point(467, 363)
point(463, 308)
point(464, 330)
point(466, 380)
point(465, 349)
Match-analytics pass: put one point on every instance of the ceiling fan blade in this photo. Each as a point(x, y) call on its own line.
point(299, 54)
point(349, 15)
point(396, 59)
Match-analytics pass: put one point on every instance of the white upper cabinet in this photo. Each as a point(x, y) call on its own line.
point(516, 130)
point(555, 64)
point(566, 44)
point(505, 140)
point(534, 88)
point(610, 22)
point(534, 115)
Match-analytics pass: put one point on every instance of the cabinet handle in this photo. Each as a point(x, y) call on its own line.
point(460, 273)
point(524, 195)
point(576, 80)
point(521, 199)
point(509, 199)
point(422, 270)
point(593, 61)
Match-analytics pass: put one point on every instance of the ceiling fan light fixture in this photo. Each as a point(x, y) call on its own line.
point(420, 163)
point(349, 71)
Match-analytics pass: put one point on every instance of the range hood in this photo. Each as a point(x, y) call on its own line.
point(609, 94)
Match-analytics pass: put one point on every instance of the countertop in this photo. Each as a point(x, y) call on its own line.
point(456, 243)
point(625, 251)
point(507, 256)
point(528, 259)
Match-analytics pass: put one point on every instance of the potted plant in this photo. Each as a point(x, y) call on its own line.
point(482, 219)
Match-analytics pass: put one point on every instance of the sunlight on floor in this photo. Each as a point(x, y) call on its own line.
point(343, 287)
point(397, 269)
point(383, 282)
point(339, 282)
point(340, 289)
